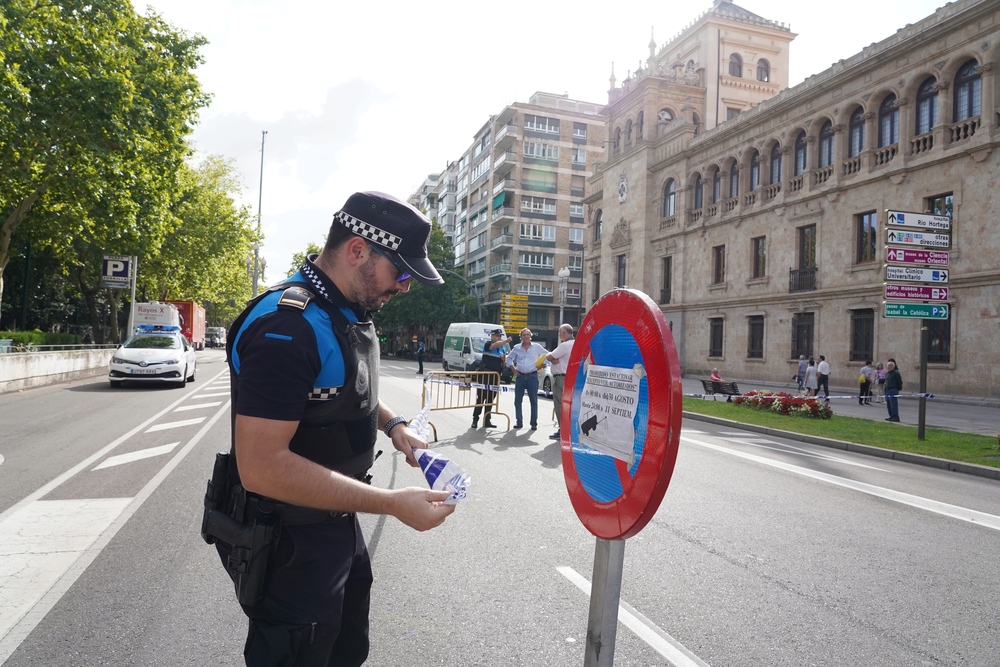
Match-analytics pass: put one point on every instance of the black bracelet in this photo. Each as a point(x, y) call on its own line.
point(395, 421)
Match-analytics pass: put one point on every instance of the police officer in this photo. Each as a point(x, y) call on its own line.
point(494, 359)
point(304, 363)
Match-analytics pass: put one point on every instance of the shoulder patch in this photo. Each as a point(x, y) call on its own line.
point(295, 297)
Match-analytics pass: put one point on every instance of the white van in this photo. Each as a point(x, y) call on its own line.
point(464, 343)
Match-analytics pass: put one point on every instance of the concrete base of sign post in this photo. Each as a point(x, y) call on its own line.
point(605, 596)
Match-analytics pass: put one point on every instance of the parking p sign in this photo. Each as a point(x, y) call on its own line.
point(116, 271)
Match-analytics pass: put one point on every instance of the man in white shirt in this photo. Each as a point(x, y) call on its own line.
point(560, 361)
point(524, 359)
point(823, 376)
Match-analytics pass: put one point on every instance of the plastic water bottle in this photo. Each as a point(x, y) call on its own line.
point(443, 474)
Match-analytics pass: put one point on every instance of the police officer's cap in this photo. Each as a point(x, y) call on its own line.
point(496, 332)
point(394, 226)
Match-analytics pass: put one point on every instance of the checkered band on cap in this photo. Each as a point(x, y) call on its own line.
point(370, 232)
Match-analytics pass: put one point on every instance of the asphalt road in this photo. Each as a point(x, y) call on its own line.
point(763, 552)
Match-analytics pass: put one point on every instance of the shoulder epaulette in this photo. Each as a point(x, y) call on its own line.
point(295, 297)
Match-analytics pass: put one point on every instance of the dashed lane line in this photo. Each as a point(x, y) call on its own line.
point(169, 425)
point(225, 393)
point(149, 453)
point(198, 406)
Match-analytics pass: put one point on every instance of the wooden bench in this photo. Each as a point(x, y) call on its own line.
point(728, 389)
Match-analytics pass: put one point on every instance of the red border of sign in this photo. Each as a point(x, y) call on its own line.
point(630, 512)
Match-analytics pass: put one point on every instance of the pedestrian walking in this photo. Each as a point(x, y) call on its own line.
point(823, 377)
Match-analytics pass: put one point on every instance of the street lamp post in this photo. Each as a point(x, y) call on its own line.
point(479, 306)
point(563, 281)
point(257, 268)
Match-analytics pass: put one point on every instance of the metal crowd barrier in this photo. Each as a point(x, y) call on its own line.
point(459, 390)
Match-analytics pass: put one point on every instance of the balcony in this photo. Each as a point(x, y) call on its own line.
point(506, 160)
point(504, 214)
point(501, 269)
point(802, 280)
point(962, 130)
point(506, 136)
point(506, 184)
point(502, 242)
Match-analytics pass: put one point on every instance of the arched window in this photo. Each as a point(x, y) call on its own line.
point(735, 65)
point(968, 91)
point(697, 124)
point(856, 133)
point(669, 198)
point(734, 180)
point(638, 126)
point(800, 153)
point(754, 171)
point(598, 223)
point(775, 164)
point(665, 116)
point(826, 145)
point(699, 193)
point(888, 122)
point(716, 187)
point(927, 103)
point(763, 70)
point(618, 138)
point(628, 132)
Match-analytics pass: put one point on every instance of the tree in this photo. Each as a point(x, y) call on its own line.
point(96, 103)
point(299, 258)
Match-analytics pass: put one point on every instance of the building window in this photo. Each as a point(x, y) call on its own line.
point(696, 121)
point(579, 130)
point(888, 122)
point(667, 278)
point(807, 247)
point(618, 138)
point(535, 260)
point(620, 270)
point(755, 337)
point(540, 181)
point(715, 336)
point(670, 198)
point(856, 133)
point(718, 264)
point(716, 187)
point(775, 164)
point(735, 65)
point(541, 124)
point(598, 223)
point(759, 249)
point(541, 150)
point(597, 285)
point(862, 334)
point(699, 193)
point(800, 153)
point(576, 211)
point(754, 171)
point(638, 126)
point(576, 185)
point(734, 180)
point(576, 235)
point(579, 156)
point(732, 112)
point(802, 335)
point(941, 204)
point(538, 205)
point(968, 91)
point(538, 317)
point(927, 103)
point(866, 232)
point(534, 232)
point(534, 288)
point(763, 71)
point(575, 263)
point(939, 341)
point(666, 116)
point(826, 145)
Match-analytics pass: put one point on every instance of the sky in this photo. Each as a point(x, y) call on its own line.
point(376, 95)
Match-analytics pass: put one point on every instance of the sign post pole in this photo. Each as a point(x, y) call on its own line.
point(131, 306)
point(924, 342)
point(605, 595)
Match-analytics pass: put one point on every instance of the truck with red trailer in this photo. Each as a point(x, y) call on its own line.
point(192, 322)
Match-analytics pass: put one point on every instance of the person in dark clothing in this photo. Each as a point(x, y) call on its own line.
point(893, 385)
point(493, 361)
point(420, 359)
point(306, 412)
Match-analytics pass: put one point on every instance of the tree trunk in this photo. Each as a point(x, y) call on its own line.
point(10, 225)
point(113, 299)
point(90, 296)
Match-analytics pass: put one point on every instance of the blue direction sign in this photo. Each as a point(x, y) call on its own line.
point(922, 311)
point(912, 274)
point(922, 220)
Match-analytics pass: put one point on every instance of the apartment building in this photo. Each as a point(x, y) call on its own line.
point(756, 215)
point(513, 201)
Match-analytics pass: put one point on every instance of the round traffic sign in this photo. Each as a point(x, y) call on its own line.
point(621, 414)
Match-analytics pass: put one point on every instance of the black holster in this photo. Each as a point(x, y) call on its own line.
point(246, 533)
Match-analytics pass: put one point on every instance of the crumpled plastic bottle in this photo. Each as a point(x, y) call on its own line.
point(443, 474)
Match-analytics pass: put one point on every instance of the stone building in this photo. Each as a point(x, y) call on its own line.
point(755, 214)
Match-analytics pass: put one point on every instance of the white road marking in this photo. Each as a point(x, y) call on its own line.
point(112, 513)
point(198, 406)
point(779, 447)
point(122, 459)
point(225, 393)
point(945, 509)
point(646, 630)
point(170, 425)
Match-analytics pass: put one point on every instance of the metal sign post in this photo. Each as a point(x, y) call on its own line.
point(620, 423)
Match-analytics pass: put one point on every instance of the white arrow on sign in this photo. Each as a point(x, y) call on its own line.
point(911, 274)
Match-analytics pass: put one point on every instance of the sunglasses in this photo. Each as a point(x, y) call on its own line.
point(403, 274)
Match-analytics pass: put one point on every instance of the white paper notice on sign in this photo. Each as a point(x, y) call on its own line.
point(607, 410)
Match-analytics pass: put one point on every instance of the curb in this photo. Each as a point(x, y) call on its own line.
point(879, 452)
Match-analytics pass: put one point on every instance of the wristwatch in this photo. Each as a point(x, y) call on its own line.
point(395, 421)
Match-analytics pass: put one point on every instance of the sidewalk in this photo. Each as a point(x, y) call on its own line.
point(947, 412)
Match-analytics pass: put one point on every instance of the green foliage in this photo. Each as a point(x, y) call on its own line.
point(37, 337)
point(299, 258)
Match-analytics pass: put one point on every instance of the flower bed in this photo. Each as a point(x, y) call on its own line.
point(785, 404)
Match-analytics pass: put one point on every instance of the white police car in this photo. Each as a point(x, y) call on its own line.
point(156, 353)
